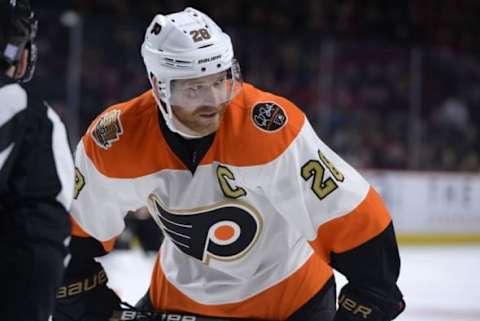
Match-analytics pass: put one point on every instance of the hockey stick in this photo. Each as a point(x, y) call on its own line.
point(131, 313)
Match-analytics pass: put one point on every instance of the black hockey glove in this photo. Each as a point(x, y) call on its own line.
point(354, 307)
point(86, 299)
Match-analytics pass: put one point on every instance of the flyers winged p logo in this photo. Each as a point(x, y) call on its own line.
point(225, 231)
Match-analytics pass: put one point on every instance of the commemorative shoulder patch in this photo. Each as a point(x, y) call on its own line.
point(107, 129)
point(268, 116)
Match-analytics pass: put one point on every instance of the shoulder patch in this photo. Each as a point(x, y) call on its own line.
point(107, 129)
point(268, 116)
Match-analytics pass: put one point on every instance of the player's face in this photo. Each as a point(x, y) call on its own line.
point(19, 72)
point(199, 103)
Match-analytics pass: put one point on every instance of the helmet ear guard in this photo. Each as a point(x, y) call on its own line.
point(185, 45)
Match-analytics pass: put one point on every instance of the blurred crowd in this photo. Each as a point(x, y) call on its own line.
point(387, 84)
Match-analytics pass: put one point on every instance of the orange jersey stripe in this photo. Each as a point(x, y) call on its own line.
point(237, 142)
point(78, 231)
point(366, 221)
point(275, 303)
point(141, 148)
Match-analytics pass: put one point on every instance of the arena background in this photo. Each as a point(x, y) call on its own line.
point(392, 86)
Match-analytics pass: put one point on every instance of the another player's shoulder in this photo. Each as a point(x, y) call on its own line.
point(263, 123)
point(18, 111)
point(118, 131)
point(13, 100)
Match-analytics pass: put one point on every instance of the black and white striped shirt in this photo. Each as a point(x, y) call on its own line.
point(36, 191)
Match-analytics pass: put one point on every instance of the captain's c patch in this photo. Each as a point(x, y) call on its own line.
point(268, 116)
point(107, 129)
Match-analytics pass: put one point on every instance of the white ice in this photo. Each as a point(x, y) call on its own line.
point(439, 283)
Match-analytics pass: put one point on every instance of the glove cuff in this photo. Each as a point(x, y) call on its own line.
point(78, 287)
point(352, 307)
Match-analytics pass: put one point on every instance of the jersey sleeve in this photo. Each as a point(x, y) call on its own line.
point(343, 218)
point(100, 202)
point(312, 186)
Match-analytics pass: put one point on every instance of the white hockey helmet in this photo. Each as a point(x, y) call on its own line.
point(187, 45)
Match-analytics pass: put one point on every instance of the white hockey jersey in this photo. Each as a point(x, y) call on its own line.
point(248, 233)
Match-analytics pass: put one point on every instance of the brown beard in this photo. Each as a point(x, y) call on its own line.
point(191, 120)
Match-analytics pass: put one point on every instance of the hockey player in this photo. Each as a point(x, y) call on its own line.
point(36, 178)
point(256, 209)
